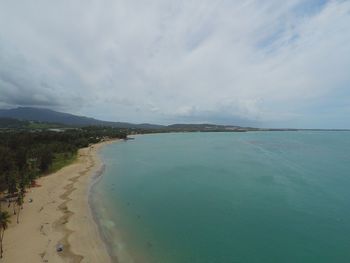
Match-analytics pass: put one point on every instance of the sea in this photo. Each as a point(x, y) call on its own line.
point(248, 197)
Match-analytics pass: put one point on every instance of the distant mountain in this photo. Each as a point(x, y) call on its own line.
point(37, 117)
point(50, 116)
point(204, 127)
point(200, 126)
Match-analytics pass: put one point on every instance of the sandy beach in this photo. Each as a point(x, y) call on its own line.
point(59, 214)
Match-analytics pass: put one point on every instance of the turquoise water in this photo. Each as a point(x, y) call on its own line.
point(227, 197)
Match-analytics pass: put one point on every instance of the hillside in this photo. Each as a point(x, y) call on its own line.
point(26, 117)
point(50, 116)
point(204, 127)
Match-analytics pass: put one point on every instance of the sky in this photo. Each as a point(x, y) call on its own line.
point(263, 63)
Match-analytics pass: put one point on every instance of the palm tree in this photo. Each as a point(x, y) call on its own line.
point(19, 202)
point(1, 196)
point(12, 185)
point(4, 221)
point(14, 202)
point(12, 189)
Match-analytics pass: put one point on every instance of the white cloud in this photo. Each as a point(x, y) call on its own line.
point(256, 61)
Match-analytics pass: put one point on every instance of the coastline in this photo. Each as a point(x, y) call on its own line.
point(60, 214)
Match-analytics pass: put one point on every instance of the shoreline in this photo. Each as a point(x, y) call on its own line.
point(60, 213)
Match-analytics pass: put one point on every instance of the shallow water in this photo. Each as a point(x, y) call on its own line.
point(227, 197)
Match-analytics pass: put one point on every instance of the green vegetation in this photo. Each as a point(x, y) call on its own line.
point(61, 160)
point(41, 125)
point(25, 155)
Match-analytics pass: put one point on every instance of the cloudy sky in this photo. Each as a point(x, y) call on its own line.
point(268, 63)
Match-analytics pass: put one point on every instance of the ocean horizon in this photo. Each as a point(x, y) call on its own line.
point(226, 197)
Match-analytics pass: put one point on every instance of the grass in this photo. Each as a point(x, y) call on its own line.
point(61, 160)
